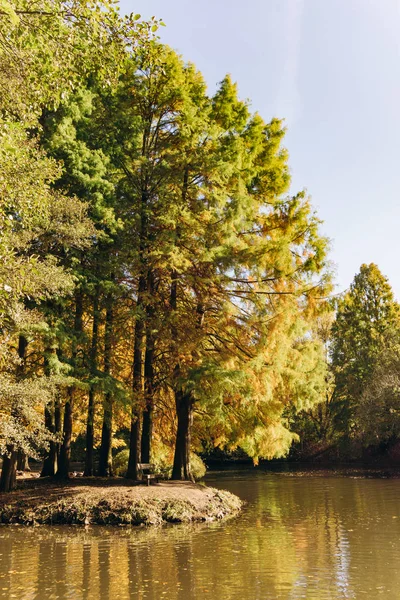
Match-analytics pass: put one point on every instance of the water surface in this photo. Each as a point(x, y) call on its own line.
point(298, 537)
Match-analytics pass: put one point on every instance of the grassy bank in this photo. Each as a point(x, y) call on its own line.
point(85, 501)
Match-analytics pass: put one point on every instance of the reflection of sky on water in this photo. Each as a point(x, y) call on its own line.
point(299, 587)
point(337, 586)
point(343, 564)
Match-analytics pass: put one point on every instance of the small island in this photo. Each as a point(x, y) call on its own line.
point(116, 501)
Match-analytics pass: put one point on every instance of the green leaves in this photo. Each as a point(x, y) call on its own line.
point(367, 315)
point(168, 205)
point(49, 51)
point(8, 9)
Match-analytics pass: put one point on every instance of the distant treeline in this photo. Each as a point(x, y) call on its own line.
point(360, 415)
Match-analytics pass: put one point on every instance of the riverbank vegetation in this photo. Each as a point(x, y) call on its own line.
point(161, 292)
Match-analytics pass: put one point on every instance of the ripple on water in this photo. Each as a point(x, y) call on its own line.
point(307, 537)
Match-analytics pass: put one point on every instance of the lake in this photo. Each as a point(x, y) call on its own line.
point(298, 537)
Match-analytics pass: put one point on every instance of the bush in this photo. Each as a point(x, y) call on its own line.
point(162, 462)
point(197, 466)
point(120, 462)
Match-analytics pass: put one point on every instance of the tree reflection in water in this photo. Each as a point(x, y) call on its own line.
point(310, 537)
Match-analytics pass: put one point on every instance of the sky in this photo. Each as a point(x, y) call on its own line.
point(331, 69)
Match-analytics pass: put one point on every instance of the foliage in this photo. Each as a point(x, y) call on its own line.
point(47, 49)
point(359, 407)
point(120, 462)
point(50, 47)
point(33, 218)
point(21, 410)
point(152, 255)
point(366, 318)
point(378, 414)
point(162, 461)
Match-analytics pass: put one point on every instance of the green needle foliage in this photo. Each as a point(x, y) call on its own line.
point(367, 317)
point(359, 410)
point(172, 286)
point(47, 50)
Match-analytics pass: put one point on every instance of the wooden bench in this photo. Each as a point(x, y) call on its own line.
point(146, 472)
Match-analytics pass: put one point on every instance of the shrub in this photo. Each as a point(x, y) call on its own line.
point(120, 462)
point(162, 462)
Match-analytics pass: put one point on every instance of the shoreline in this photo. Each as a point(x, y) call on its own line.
point(95, 501)
point(317, 469)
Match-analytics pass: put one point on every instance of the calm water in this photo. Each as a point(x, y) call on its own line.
point(313, 538)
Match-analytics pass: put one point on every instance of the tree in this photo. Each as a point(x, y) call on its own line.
point(69, 135)
point(50, 47)
point(366, 316)
point(46, 50)
point(378, 412)
point(197, 298)
point(202, 209)
point(37, 222)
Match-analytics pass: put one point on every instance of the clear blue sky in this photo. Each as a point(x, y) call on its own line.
point(331, 68)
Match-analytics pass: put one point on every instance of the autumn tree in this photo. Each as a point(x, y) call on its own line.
point(197, 297)
point(214, 247)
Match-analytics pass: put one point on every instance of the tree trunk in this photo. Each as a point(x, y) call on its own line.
point(140, 329)
point(134, 442)
point(137, 385)
point(89, 461)
point(65, 450)
point(50, 462)
point(22, 346)
point(9, 470)
point(184, 411)
point(183, 403)
point(105, 461)
point(147, 426)
point(138, 344)
point(134, 448)
point(22, 461)
point(147, 433)
point(58, 424)
point(22, 458)
point(89, 465)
